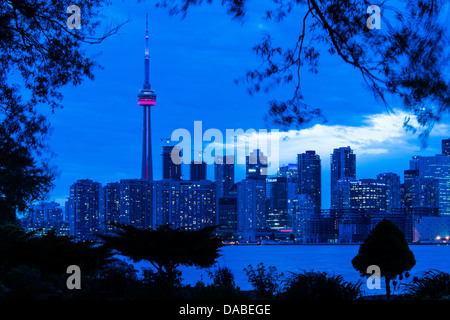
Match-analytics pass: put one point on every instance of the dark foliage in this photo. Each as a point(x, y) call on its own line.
point(222, 277)
point(265, 281)
point(39, 55)
point(22, 178)
point(319, 286)
point(32, 266)
point(433, 285)
point(50, 254)
point(166, 248)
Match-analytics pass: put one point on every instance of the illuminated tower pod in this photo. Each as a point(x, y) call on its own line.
point(147, 98)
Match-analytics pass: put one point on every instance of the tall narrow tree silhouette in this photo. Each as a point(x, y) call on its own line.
point(166, 248)
point(387, 248)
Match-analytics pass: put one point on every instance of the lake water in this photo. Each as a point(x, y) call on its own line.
point(333, 259)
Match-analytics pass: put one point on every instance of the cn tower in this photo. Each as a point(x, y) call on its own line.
point(147, 99)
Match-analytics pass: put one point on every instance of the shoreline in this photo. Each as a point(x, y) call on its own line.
point(323, 244)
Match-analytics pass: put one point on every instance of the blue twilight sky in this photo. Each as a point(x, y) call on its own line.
point(194, 62)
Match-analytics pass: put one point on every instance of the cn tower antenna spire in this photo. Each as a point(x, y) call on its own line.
point(146, 57)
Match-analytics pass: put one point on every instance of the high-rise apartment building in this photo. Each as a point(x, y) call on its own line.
point(392, 181)
point(110, 206)
point(171, 169)
point(185, 204)
point(251, 197)
point(136, 202)
point(223, 174)
point(369, 194)
point(277, 210)
point(84, 214)
point(44, 217)
point(310, 177)
point(343, 167)
point(410, 178)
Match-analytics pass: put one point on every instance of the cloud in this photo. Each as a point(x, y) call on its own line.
point(379, 134)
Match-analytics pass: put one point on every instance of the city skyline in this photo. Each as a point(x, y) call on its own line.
point(183, 150)
point(100, 138)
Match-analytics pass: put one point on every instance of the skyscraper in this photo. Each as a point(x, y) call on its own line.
point(256, 165)
point(289, 171)
point(84, 209)
point(251, 195)
point(227, 216)
point(310, 177)
point(408, 187)
point(436, 167)
point(185, 204)
point(136, 202)
point(277, 210)
point(392, 181)
point(198, 170)
point(171, 170)
point(368, 194)
point(111, 206)
point(44, 217)
point(446, 147)
point(147, 99)
point(343, 167)
point(223, 174)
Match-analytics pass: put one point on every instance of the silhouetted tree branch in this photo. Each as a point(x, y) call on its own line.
point(39, 55)
point(405, 60)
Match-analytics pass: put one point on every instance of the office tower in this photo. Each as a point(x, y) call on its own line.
point(223, 174)
point(369, 194)
point(84, 210)
point(185, 204)
point(446, 147)
point(227, 216)
point(342, 193)
point(256, 165)
point(302, 215)
point(425, 193)
point(343, 167)
point(310, 177)
point(251, 195)
point(277, 210)
point(136, 202)
point(147, 99)
point(408, 186)
point(436, 167)
point(171, 170)
point(198, 170)
point(111, 206)
point(289, 171)
point(392, 181)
